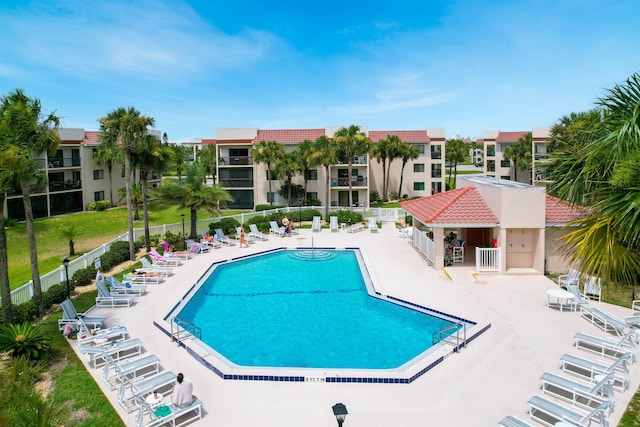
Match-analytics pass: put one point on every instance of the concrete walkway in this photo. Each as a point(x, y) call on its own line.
point(494, 377)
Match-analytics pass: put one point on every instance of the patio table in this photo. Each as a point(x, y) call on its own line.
point(562, 298)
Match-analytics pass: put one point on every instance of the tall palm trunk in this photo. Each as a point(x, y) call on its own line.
point(110, 170)
point(33, 250)
point(145, 211)
point(194, 224)
point(327, 188)
point(384, 178)
point(401, 179)
point(388, 174)
point(7, 308)
point(127, 186)
point(270, 192)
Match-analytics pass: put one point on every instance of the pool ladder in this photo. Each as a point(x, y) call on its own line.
point(445, 335)
point(183, 327)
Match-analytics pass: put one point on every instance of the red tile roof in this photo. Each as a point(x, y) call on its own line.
point(404, 135)
point(561, 212)
point(289, 136)
point(510, 136)
point(460, 206)
point(92, 137)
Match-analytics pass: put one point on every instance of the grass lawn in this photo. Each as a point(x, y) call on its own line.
point(96, 228)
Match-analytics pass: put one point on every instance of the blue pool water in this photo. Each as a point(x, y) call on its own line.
point(306, 309)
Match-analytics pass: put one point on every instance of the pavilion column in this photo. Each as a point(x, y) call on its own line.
point(438, 250)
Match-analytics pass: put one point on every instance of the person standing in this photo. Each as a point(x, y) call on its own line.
point(242, 240)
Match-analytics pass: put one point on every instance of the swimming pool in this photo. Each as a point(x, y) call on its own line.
point(313, 309)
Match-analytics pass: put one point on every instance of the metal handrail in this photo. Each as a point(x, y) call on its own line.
point(443, 336)
point(184, 326)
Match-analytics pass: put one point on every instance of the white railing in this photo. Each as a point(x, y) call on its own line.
point(387, 214)
point(488, 260)
point(25, 292)
point(424, 244)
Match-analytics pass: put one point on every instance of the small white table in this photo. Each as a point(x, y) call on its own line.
point(343, 225)
point(154, 399)
point(562, 298)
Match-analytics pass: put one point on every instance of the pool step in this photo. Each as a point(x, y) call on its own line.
point(312, 254)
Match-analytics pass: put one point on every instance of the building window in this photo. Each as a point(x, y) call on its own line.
point(436, 152)
point(419, 147)
point(505, 163)
point(418, 186)
point(312, 175)
point(491, 165)
point(436, 170)
point(491, 150)
point(98, 174)
point(273, 197)
point(507, 177)
point(312, 195)
point(418, 167)
point(98, 195)
point(436, 187)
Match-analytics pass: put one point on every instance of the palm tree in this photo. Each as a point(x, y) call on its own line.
point(70, 232)
point(287, 168)
point(108, 154)
point(520, 154)
point(5, 285)
point(126, 124)
point(394, 152)
point(351, 142)
point(136, 198)
point(606, 243)
point(456, 151)
point(208, 159)
point(180, 156)
point(193, 194)
point(325, 153)
point(380, 151)
point(149, 155)
point(269, 153)
point(408, 152)
point(25, 131)
point(303, 153)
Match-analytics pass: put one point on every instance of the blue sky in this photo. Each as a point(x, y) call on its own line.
point(466, 66)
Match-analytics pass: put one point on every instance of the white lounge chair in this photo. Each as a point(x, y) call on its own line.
point(579, 394)
point(592, 289)
point(605, 321)
point(511, 421)
point(164, 261)
point(196, 247)
point(224, 239)
point(131, 370)
point(333, 223)
point(129, 390)
point(606, 347)
point(145, 277)
point(458, 252)
point(175, 254)
point(70, 315)
point(635, 307)
point(247, 237)
point(148, 267)
point(315, 225)
point(257, 233)
point(633, 321)
point(591, 370)
point(209, 241)
point(572, 278)
point(373, 225)
point(578, 300)
point(107, 299)
point(275, 229)
point(118, 287)
point(355, 228)
point(549, 413)
point(88, 336)
point(115, 351)
point(147, 417)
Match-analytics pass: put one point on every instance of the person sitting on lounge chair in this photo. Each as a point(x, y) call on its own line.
point(285, 223)
point(182, 395)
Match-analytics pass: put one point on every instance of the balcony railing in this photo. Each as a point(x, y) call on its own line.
point(63, 162)
point(357, 160)
point(237, 183)
point(235, 160)
point(344, 182)
point(64, 185)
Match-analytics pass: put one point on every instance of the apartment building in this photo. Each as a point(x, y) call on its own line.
point(495, 165)
point(248, 182)
point(73, 178)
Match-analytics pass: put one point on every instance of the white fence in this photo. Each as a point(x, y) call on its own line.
point(488, 260)
point(425, 245)
point(25, 292)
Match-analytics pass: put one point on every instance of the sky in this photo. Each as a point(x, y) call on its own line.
point(196, 66)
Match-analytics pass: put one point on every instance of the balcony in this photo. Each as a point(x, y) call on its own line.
point(64, 185)
point(235, 161)
point(237, 183)
point(344, 182)
point(357, 160)
point(63, 162)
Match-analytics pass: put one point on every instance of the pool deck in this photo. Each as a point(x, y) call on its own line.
point(493, 377)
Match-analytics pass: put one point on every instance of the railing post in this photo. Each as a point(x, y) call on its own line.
point(85, 260)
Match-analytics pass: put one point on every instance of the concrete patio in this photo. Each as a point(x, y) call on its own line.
point(493, 377)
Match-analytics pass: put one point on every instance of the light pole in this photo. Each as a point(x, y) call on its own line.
point(183, 236)
point(65, 261)
point(340, 411)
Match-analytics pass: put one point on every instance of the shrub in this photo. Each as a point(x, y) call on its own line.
point(10, 222)
point(47, 300)
point(83, 277)
point(374, 196)
point(91, 206)
point(25, 312)
point(58, 293)
point(228, 226)
point(347, 216)
point(23, 339)
point(314, 202)
point(408, 219)
point(102, 205)
point(267, 207)
point(174, 239)
point(405, 196)
point(120, 250)
point(110, 260)
point(394, 195)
